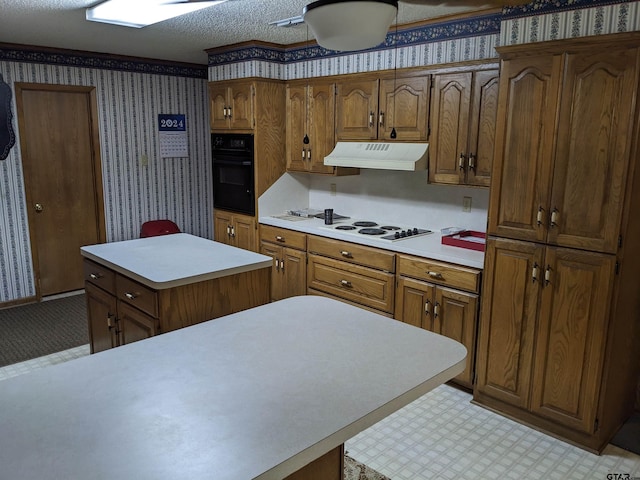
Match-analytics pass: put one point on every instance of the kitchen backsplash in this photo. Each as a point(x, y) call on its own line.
point(391, 196)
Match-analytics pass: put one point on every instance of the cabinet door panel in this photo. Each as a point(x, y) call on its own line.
point(274, 252)
point(594, 143)
point(507, 323)
point(218, 101)
point(450, 123)
point(101, 310)
point(455, 314)
point(241, 103)
point(322, 126)
point(482, 127)
point(571, 336)
point(404, 105)
point(294, 272)
point(221, 226)
point(244, 231)
point(135, 325)
point(356, 110)
point(525, 129)
point(414, 302)
point(297, 110)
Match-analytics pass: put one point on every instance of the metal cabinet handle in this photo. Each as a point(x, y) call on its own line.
point(345, 283)
point(38, 207)
point(434, 274)
point(461, 161)
point(130, 296)
point(304, 153)
point(534, 273)
point(110, 318)
point(381, 119)
point(279, 238)
point(224, 111)
point(308, 154)
point(539, 216)
point(547, 275)
point(427, 307)
point(95, 276)
point(277, 264)
point(233, 231)
point(554, 218)
point(472, 162)
point(344, 253)
point(436, 310)
point(228, 230)
point(371, 119)
point(282, 266)
point(229, 110)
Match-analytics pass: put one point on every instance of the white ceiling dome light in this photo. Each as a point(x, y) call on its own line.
point(348, 25)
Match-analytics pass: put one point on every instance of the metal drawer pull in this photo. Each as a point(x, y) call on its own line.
point(534, 273)
point(539, 216)
point(427, 307)
point(96, 276)
point(434, 274)
point(279, 238)
point(344, 253)
point(554, 217)
point(130, 296)
point(345, 283)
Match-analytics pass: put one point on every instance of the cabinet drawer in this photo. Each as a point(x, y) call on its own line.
point(361, 285)
point(137, 295)
point(441, 273)
point(282, 236)
point(323, 294)
point(100, 276)
point(352, 253)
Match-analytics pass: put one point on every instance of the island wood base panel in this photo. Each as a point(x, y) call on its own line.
point(330, 466)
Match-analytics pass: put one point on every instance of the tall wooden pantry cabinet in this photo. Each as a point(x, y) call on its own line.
point(560, 312)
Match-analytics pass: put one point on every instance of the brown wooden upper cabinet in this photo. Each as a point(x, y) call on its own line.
point(563, 143)
point(231, 106)
point(463, 121)
point(369, 107)
point(310, 113)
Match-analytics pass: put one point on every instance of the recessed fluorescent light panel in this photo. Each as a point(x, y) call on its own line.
point(140, 13)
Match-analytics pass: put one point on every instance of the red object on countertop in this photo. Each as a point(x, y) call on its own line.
point(466, 239)
point(154, 228)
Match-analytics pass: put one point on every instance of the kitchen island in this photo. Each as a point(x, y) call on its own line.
point(259, 394)
point(143, 287)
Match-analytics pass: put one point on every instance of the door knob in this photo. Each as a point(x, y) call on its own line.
point(38, 207)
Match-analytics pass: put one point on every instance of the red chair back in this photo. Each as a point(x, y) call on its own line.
point(153, 228)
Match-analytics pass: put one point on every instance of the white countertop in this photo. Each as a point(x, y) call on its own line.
point(257, 394)
point(428, 246)
point(169, 261)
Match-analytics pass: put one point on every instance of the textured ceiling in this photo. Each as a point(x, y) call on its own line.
point(62, 24)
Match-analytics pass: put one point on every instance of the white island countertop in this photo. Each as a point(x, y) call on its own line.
point(428, 246)
point(169, 261)
point(254, 395)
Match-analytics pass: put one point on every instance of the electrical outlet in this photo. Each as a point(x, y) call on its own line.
point(466, 204)
point(333, 189)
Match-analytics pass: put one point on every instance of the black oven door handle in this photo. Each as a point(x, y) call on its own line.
point(232, 163)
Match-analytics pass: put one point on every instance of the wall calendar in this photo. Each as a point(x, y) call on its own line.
point(173, 135)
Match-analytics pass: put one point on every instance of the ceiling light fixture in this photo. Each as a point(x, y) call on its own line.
point(348, 25)
point(144, 12)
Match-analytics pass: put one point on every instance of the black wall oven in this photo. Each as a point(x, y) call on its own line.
point(233, 172)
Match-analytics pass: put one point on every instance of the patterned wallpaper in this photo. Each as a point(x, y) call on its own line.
point(128, 104)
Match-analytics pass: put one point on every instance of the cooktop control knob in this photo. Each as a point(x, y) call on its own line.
point(409, 232)
point(396, 235)
point(415, 231)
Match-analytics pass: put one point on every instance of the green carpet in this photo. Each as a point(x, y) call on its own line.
point(37, 329)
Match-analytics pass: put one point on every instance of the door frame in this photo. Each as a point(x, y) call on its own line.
point(96, 161)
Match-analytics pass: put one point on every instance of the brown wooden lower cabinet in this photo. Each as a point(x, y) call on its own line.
point(122, 310)
point(235, 229)
point(440, 309)
point(330, 466)
point(542, 349)
point(288, 250)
